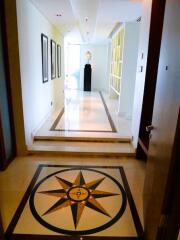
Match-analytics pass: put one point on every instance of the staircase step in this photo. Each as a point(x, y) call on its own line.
point(81, 137)
point(82, 148)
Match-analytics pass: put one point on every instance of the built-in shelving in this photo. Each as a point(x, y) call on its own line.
point(117, 60)
point(124, 50)
point(115, 90)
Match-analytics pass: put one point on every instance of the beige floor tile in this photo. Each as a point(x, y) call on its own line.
point(15, 180)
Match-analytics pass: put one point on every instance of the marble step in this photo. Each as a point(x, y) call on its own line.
point(82, 148)
point(88, 137)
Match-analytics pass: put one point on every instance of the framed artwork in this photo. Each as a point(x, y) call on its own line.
point(44, 49)
point(53, 59)
point(59, 61)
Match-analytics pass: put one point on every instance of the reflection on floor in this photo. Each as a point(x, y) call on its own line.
point(82, 198)
point(84, 112)
point(87, 115)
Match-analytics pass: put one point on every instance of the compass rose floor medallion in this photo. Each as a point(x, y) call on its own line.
point(73, 202)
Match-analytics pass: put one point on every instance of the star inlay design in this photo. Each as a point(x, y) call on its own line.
point(78, 195)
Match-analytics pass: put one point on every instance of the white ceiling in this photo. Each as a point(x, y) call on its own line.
point(88, 20)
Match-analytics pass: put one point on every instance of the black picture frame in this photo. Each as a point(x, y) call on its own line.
point(53, 59)
point(58, 60)
point(44, 50)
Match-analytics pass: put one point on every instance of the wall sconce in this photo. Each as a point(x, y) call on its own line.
point(88, 56)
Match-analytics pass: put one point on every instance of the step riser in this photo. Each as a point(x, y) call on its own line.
point(73, 139)
point(82, 148)
point(92, 154)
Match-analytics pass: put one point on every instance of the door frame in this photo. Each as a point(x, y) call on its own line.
point(11, 48)
point(2, 152)
point(1, 229)
point(5, 160)
point(155, 35)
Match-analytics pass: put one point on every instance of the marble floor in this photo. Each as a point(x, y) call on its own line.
point(86, 114)
point(70, 196)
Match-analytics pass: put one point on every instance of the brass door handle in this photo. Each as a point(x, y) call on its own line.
point(149, 128)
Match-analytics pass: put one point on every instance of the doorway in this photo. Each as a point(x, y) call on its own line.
point(72, 66)
point(43, 101)
point(61, 160)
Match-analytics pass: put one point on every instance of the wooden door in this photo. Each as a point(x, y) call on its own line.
point(165, 121)
point(156, 25)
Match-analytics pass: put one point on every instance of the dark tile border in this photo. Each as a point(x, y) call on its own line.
point(134, 213)
point(53, 127)
point(22, 204)
point(69, 130)
point(9, 232)
point(108, 114)
point(61, 237)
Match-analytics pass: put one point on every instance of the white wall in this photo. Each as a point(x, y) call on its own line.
point(140, 77)
point(99, 63)
point(37, 96)
point(130, 55)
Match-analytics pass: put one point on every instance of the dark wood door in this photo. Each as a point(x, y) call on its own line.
point(165, 120)
point(156, 25)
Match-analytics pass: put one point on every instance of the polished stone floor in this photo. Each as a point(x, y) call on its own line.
point(73, 194)
point(86, 114)
point(84, 111)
